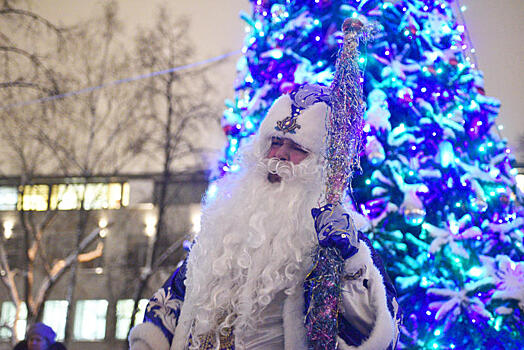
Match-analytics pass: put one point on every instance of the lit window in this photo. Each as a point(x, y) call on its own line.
point(55, 313)
point(66, 197)
point(7, 317)
point(520, 182)
point(125, 194)
point(8, 198)
point(34, 198)
point(124, 310)
point(96, 196)
point(103, 196)
point(90, 320)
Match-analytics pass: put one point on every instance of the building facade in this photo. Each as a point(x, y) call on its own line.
point(121, 214)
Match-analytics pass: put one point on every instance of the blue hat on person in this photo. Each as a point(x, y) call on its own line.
point(43, 331)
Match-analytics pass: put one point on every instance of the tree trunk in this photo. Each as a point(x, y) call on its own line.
point(83, 216)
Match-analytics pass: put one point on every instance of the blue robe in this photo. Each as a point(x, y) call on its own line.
point(165, 306)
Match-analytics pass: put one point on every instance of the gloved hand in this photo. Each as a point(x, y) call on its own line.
point(335, 229)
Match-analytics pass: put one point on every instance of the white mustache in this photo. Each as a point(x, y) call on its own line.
point(282, 168)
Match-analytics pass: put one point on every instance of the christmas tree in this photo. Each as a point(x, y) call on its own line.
point(437, 182)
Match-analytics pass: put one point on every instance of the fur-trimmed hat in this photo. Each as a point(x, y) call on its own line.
point(300, 116)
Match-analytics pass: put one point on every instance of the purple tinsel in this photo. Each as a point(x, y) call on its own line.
point(322, 286)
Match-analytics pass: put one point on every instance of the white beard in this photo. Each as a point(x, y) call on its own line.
point(256, 240)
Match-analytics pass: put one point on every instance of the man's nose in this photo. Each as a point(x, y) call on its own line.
point(283, 152)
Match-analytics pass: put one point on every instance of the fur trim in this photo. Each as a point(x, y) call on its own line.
point(293, 319)
point(383, 330)
point(181, 336)
point(147, 336)
point(312, 122)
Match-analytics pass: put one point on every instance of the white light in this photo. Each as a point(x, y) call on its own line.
point(99, 270)
point(196, 214)
point(150, 222)
point(475, 271)
point(520, 182)
point(103, 232)
point(102, 223)
point(8, 228)
point(211, 192)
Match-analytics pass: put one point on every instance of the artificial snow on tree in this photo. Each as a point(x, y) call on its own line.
point(437, 182)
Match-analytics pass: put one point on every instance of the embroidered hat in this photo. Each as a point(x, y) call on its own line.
point(299, 116)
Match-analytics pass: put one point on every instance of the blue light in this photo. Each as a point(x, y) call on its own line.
point(446, 155)
point(212, 191)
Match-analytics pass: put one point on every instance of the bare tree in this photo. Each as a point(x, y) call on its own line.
point(95, 133)
point(25, 75)
point(181, 112)
point(100, 132)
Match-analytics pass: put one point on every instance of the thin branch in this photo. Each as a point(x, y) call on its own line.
point(61, 266)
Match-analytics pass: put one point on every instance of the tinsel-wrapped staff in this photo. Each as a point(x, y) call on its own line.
point(338, 238)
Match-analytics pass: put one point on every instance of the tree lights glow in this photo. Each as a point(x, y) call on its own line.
point(437, 183)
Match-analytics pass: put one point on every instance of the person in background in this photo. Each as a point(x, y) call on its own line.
point(39, 337)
